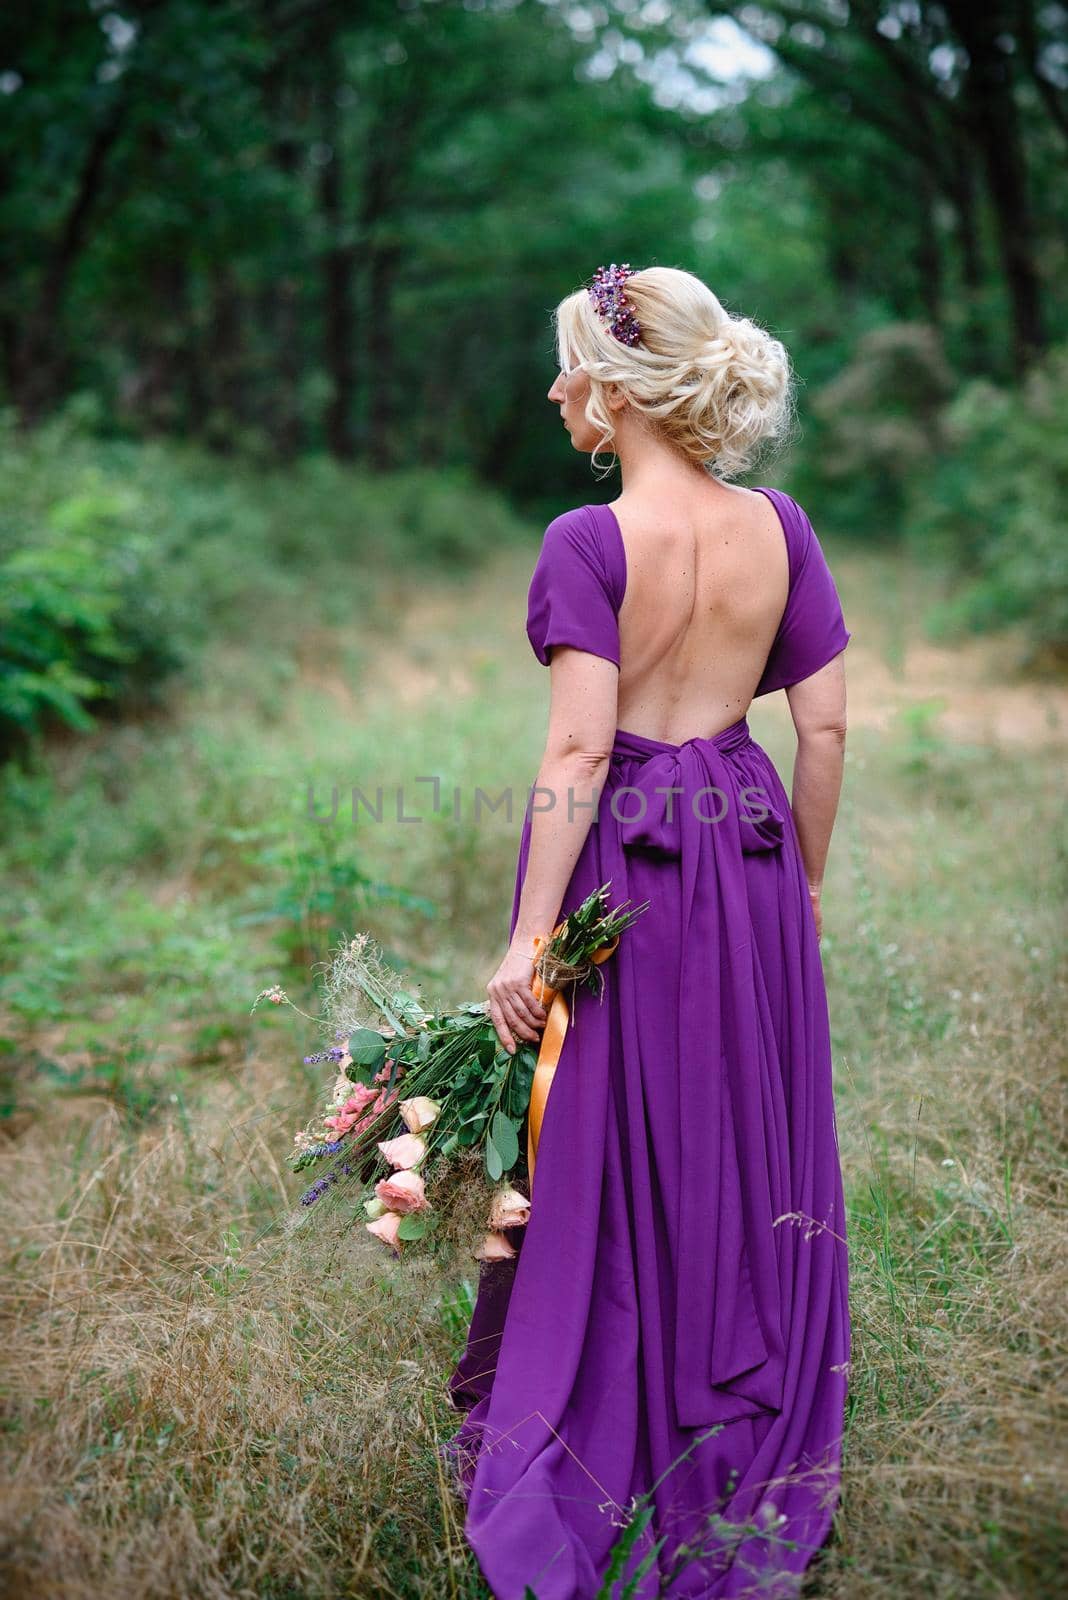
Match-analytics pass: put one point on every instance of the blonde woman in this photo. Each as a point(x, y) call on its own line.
point(672, 1333)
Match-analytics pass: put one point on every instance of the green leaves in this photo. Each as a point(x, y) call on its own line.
point(470, 1131)
point(515, 1097)
point(409, 1007)
point(368, 1051)
point(635, 1527)
point(502, 1146)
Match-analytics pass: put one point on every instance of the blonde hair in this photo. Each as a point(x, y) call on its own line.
point(713, 386)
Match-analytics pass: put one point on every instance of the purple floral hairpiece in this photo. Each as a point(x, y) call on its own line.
point(607, 294)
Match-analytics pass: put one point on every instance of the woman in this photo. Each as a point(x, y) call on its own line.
point(672, 1333)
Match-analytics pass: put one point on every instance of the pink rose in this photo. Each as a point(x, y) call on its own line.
point(508, 1208)
point(385, 1228)
point(403, 1191)
point(494, 1247)
point(407, 1150)
point(419, 1113)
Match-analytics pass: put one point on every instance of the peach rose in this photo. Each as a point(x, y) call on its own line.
point(407, 1150)
point(404, 1191)
point(508, 1208)
point(494, 1247)
point(385, 1228)
point(419, 1113)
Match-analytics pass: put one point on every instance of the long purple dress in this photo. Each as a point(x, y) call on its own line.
point(674, 1330)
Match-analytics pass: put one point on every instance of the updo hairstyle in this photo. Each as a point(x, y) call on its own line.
point(715, 387)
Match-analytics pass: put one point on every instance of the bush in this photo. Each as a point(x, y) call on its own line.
point(114, 560)
point(993, 509)
point(878, 428)
point(120, 560)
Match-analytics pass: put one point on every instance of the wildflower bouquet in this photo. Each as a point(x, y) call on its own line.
point(423, 1097)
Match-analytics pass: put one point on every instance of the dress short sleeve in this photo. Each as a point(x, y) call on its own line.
point(575, 591)
point(812, 631)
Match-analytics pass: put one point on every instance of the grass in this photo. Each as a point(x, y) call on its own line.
point(198, 1403)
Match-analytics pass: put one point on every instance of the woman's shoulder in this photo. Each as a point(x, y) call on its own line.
point(813, 628)
point(789, 507)
point(575, 524)
point(797, 527)
point(583, 534)
point(576, 588)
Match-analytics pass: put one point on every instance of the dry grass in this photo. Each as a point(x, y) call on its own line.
point(192, 1413)
point(198, 1404)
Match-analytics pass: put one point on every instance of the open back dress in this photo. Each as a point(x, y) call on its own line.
point(668, 1348)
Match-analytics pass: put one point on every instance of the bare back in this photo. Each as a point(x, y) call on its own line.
point(707, 583)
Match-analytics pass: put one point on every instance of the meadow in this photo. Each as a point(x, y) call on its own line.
point(201, 1402)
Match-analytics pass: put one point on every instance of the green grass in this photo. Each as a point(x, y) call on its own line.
point(199, 1404)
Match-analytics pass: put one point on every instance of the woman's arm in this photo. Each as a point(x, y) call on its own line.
point(570, 781)
point(818, 707)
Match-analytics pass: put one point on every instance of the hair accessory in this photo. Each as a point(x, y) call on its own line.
point(606, 292)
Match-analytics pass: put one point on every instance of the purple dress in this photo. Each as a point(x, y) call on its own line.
point(674, 1331)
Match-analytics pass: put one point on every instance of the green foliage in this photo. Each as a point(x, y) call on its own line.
point(502, 1145)
point(368, 1051)
point(120, 562)
point(975, 478)
point(993, 509)
point(308, 236)
point(879, 424)
point(310, 229)
point(115, 563)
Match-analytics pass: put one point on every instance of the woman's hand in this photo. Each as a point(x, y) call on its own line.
point(513, 1008)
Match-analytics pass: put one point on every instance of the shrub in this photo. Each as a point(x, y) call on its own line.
point(878, 425)
point(120, 560)
point(993, 510)
point(114, 558)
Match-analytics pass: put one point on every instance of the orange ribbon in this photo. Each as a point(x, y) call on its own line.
point(552, 1042)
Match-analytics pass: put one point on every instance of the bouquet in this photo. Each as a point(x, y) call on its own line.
point(422, 1097)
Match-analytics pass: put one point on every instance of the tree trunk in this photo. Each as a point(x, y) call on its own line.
point(287, 425)
point(929, 254)
point(381, 270)
point(337, 265)
point(161, 383)
point(976, 356)
point(39, 357)
point(224, 361)
point(990, 108)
